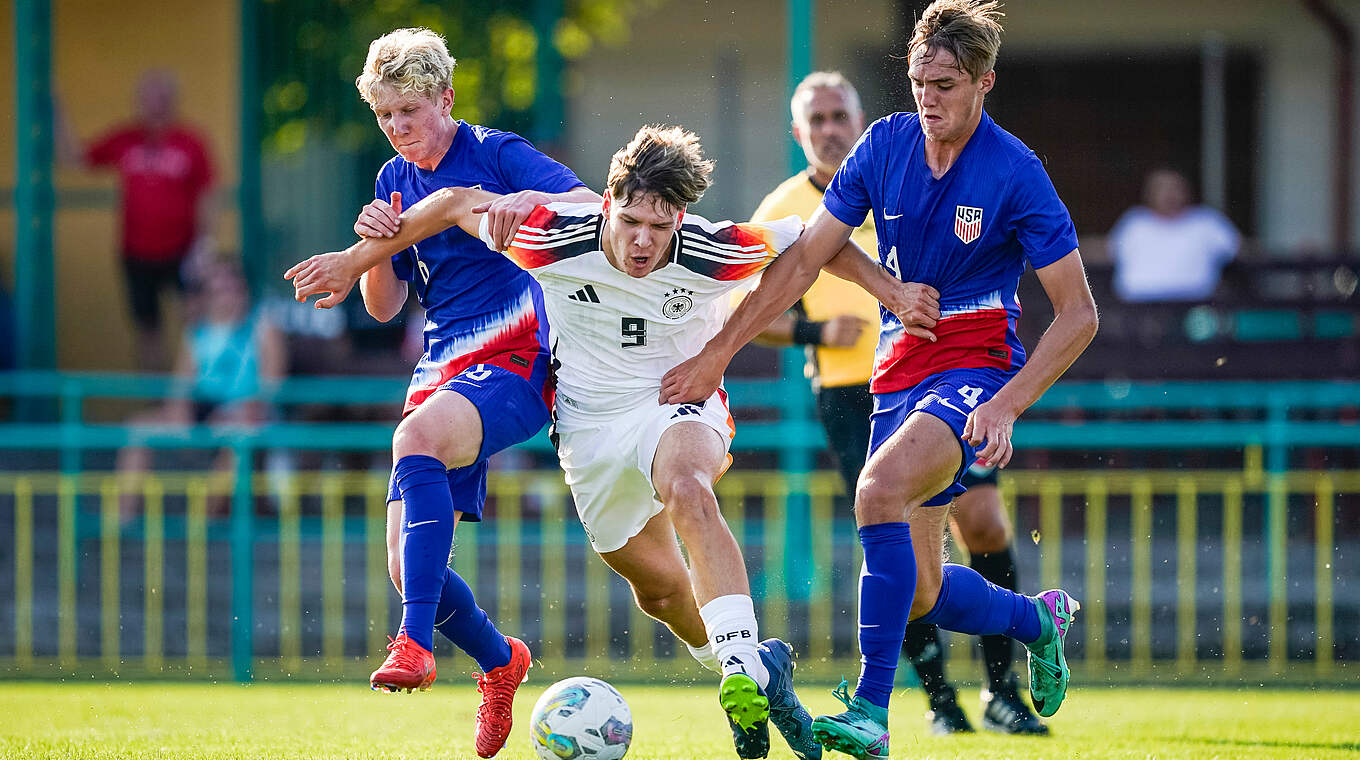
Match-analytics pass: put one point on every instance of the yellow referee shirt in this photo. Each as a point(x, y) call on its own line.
point(830, 295)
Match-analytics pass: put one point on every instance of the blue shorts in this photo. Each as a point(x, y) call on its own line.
point(512, 411)
point(949, 395)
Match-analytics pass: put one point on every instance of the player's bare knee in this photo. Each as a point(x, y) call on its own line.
point(689, 497)
point(414, 439)
point(697, 521)
point(662, 604)
point(878, 501)
point(986, 538)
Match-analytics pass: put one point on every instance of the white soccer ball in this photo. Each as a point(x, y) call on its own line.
point(581, 718)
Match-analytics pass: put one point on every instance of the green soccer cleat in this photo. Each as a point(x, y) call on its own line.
point(748, 713)
point(861, 731)
point(1048, 671)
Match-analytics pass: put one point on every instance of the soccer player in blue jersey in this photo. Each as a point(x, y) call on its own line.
point(962, 205)
point(827, 120)
point(483, 383)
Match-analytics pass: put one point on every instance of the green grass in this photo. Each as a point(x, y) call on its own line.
point(174, 720)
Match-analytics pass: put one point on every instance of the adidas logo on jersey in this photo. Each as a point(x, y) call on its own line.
point(585, 295)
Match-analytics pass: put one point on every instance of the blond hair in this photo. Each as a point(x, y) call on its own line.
point(414, 60)
point(667, 162)
point(818, 80)
point(969, 29)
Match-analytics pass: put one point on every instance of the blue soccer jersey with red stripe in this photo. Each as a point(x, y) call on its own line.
point(479, 307)
point(968, 234)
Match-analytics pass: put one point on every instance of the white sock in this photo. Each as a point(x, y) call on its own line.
point(731, 624)
point(705, 656)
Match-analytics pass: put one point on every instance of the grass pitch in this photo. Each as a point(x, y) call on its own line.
point(178, 720)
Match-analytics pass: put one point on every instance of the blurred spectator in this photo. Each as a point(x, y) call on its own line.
point(165, 175)
point(837, 320)
point(231, 359)
point(1169, 250)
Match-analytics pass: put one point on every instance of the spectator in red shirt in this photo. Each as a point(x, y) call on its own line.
point(165, 175)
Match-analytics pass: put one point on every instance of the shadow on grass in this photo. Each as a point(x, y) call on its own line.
point(1343, 746)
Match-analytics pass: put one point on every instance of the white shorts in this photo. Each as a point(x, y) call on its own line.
point(609, 467)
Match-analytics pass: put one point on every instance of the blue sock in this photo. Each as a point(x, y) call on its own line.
point(466, 625)
point(969, 603)
point(426, 539)
point(886, 580)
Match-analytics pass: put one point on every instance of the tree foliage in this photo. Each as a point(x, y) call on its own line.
point(312, 50)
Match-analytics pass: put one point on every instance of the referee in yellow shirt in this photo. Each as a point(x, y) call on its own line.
point(839, 321)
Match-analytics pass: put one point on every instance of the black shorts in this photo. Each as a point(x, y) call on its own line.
point(845, 414)
point(145, 282)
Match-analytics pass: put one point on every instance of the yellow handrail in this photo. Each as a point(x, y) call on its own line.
point(321, 517)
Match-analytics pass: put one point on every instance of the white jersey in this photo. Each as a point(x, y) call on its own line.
point(615, 336)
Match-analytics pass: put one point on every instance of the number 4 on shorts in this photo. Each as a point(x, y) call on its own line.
point(970, 395)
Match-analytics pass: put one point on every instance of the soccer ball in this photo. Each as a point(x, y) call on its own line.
point(581, 718)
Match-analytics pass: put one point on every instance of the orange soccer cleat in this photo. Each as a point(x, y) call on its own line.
point(498, 697)
point(409, 666)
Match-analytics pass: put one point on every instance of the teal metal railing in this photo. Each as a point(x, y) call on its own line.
point(796, 429)
point(1266, 440)
point(144, 597)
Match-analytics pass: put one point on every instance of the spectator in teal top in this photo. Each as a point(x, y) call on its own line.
point(230, 361)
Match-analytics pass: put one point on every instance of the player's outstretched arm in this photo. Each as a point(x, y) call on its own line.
point(506, 213)
point(917, 305)
point(441, 210)
point(781, 285)
point(1074, 325)
point(335, 273)
point(789, 329)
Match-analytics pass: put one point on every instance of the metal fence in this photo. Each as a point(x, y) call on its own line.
point(1200, 575)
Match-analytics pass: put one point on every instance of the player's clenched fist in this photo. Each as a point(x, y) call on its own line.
point(991, 422)
point(379, 218)
point(330, 273)
point(506, 213)
point(694, 379)
point(917, 305)
point(842, 330)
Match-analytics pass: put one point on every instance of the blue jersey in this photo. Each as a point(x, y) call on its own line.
point(967, 234)
point(479, 307)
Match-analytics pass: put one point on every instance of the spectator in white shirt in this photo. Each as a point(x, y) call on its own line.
point(1169, 250)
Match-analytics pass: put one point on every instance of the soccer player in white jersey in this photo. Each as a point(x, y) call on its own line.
point(631, 286)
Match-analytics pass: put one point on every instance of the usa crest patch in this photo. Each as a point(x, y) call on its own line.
point(967, 223)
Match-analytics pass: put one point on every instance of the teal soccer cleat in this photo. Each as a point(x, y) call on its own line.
point(861, 731)
point(786, 712)
point(1048, 673)
point(748, 713)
